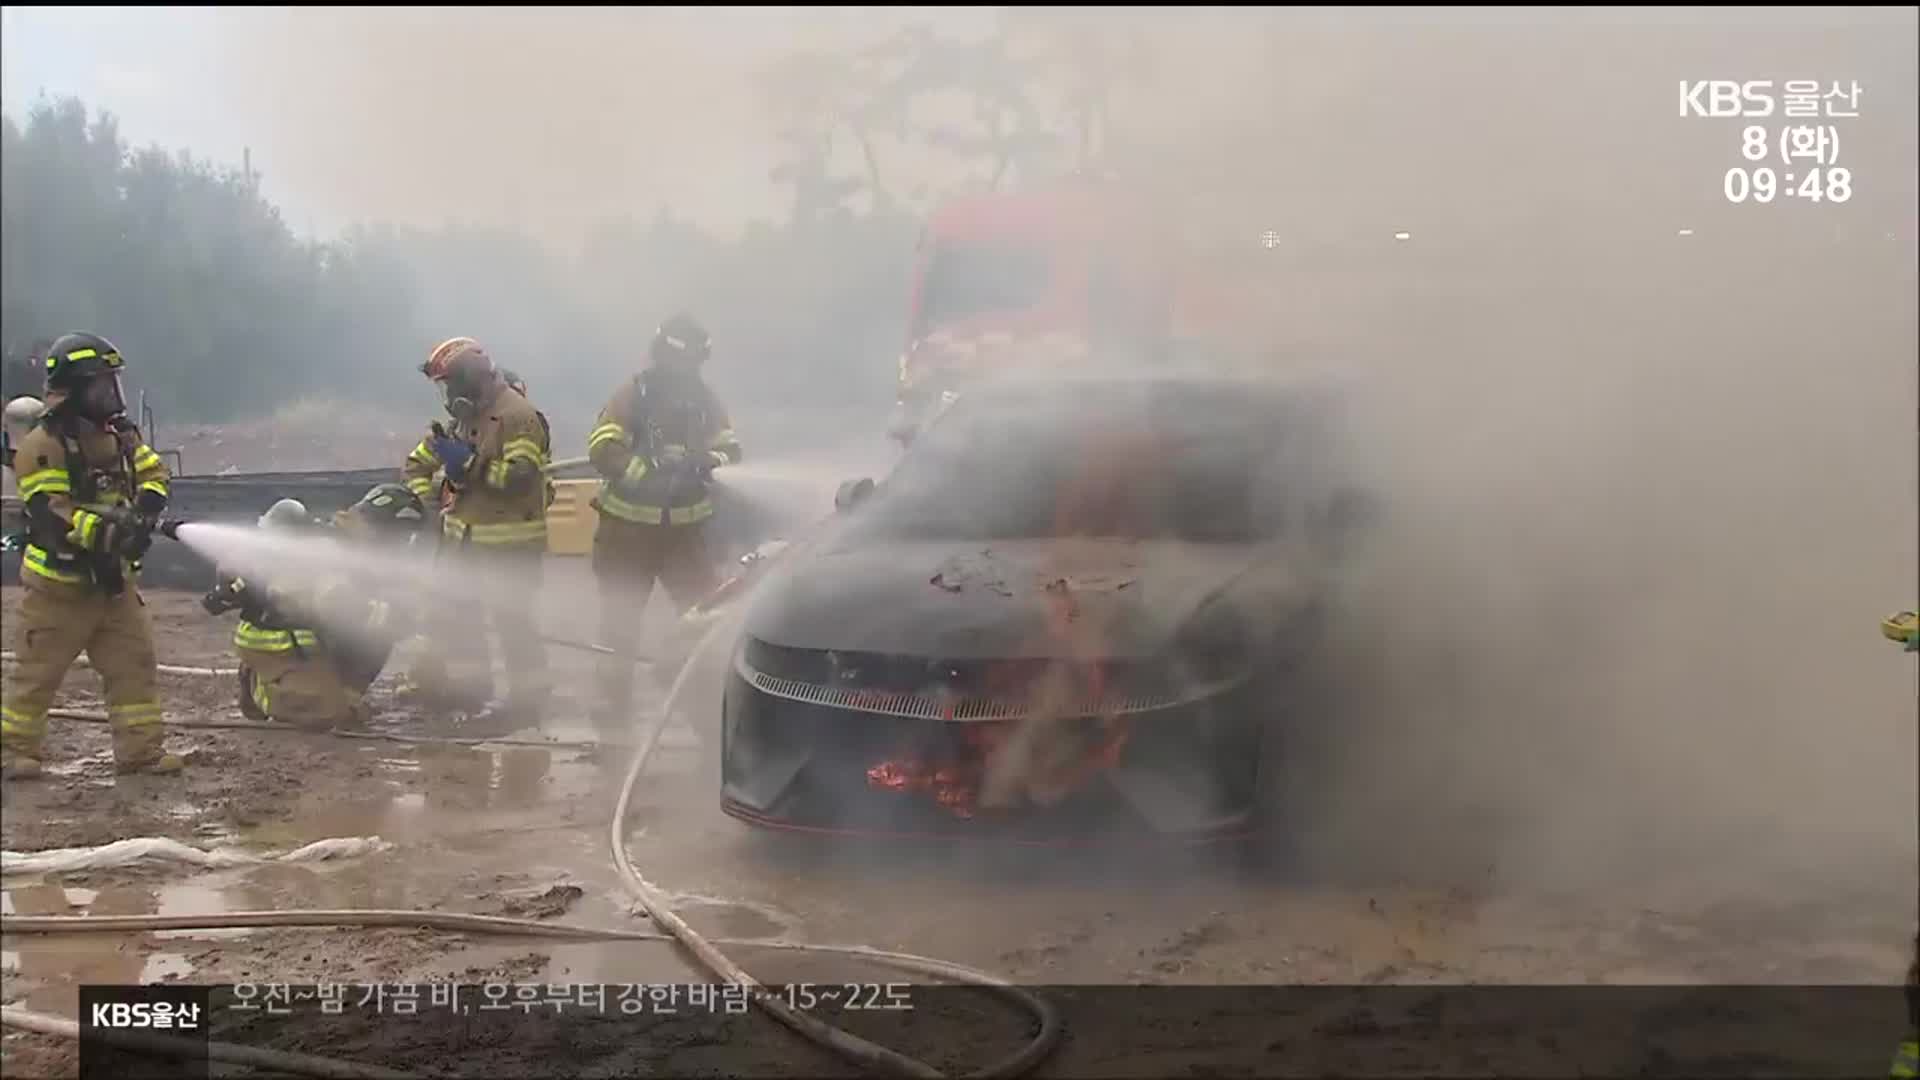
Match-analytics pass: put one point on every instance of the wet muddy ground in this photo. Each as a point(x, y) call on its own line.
point(523, 831)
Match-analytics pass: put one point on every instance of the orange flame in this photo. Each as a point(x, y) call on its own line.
point(1103, 496)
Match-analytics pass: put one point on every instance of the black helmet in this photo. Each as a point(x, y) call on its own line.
point(680, 338)
point(85, 369)
point(74, 358)
point(390, 508)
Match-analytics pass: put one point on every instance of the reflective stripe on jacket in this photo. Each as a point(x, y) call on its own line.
point(248, 636)
point(108, 474)
point(639, 423)
point(489, 508)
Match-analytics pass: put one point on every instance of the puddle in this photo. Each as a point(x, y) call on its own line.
point(52, 965)
point(165, 965)
point(745, 919)
point(733, 921)
point(194, 898)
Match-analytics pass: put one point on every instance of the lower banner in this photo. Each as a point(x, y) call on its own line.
point(513, 1029)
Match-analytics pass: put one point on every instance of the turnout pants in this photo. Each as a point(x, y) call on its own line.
point(627, 559)
point(301, 688)
point(480, 586)
point(58, 621)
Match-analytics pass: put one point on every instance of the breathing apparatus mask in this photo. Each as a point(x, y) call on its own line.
point(464, 389)
point(100, 398)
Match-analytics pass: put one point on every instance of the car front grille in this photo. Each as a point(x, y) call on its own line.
point(1122, 689)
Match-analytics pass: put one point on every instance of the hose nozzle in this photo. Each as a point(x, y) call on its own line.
point(170, 527)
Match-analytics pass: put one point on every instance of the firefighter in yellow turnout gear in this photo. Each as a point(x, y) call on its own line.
point(655, 445)
point(93, 491)
point(310, 644)
point(493, 494)
point(1904, 627)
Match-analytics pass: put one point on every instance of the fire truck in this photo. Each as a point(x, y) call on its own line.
point(1068, 274)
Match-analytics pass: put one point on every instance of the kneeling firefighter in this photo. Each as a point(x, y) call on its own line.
point(286, 668)
point(309, 649)
point(93, 491)
point(655, 444)
point(493, 495)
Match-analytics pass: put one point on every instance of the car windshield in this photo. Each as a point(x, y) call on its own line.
point(968, 280)
point(1138, 462)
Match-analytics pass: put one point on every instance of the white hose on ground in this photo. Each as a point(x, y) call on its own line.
point(164, 669)
point(136, 850)
point(851, 1047)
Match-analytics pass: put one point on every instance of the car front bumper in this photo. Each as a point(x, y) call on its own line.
point(818, 760)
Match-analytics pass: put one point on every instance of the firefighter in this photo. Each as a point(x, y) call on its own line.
point(281, 659)
point(519, 386)
point(22, 413)
point(493, 496)
point(93, 491)
point(655, 445)
point(1904, 628)
point(387, 516)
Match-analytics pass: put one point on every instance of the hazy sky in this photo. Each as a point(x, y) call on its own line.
point(377, 113)
point(554, 118)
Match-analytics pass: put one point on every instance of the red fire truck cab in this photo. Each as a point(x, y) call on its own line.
point(1064, 275)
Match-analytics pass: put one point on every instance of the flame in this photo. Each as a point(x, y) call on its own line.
point(1045, 758)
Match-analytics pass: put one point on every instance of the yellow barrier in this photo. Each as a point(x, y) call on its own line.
point(570, 521)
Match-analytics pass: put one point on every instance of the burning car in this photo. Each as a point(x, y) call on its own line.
point(1069, 610)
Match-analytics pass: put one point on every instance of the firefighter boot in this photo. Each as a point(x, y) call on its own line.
point(18, 766)
point(139, 741)
point(21, 742)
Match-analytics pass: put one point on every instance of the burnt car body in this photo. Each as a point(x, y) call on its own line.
point(1066, 613)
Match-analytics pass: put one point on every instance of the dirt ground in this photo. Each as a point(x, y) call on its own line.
point(519, 831)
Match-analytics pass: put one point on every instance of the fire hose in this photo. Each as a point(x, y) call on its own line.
point(854, 1049)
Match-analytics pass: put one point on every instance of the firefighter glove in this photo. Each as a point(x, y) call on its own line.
point(218, 602)
point(454, 455)
point(151, 504)
point(137, 541)
point(107, 531)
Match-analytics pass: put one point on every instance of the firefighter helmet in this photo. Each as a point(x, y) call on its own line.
point(83, 375)
point(440, 361)
point(680, 338)
point(286, 514)
point(24, 412)
point(388, 508)
point(74, 358)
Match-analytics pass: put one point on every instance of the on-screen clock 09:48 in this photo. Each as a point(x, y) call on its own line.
point(1763, 185)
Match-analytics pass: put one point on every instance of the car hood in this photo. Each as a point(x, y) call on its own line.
point(979, 600)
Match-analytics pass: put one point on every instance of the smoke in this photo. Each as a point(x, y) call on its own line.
point(542, 119)
point(1621, 618)
point(1647, 493)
